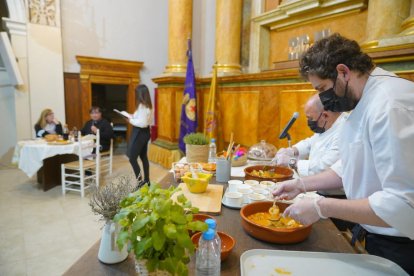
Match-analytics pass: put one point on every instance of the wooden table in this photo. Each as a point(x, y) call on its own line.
point(324, 237)
point(49, 175)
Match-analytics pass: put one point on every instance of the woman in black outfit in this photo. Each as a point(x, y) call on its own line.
point(140, 136)
point(47, 124)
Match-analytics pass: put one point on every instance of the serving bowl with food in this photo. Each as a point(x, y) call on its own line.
point(258, 222)
point(180, 169)
point(268, 173)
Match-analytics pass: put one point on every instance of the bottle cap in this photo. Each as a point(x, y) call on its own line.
point(209, 235)
point(213, 140)
point(211, 223)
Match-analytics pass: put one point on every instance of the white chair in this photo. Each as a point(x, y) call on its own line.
point(106, 159)
point(74, 176)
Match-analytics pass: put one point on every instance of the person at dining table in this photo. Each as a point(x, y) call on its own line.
point(376, 150)
point(96, 122)
point(47, 124)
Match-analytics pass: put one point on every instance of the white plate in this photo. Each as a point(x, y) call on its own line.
point(279, 262)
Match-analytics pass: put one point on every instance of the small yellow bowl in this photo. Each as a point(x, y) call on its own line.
point(197, 185)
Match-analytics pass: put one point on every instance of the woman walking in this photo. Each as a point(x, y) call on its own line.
point(140, 136)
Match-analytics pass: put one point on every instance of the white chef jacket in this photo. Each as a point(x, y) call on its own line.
point(377, 152)
point(321, 150)
point(142, 117)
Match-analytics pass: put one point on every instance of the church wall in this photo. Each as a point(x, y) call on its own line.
point(135, 30)
point(7, 114)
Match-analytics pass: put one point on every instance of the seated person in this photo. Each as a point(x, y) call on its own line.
point(97, 122)
point(47, 124)
point(320, 151)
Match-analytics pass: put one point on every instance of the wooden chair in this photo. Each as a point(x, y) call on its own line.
point(79, 175)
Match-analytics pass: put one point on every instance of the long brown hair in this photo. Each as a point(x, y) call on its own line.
point(42, 119)
point(143, 96)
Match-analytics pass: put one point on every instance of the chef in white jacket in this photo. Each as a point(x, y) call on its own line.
point(320, 151)
point(376, 149)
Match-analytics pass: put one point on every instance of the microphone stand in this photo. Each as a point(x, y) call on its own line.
point(289, 139)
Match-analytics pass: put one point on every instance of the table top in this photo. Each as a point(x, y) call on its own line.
point(325, 237)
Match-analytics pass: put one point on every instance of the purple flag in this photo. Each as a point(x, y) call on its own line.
point(188, 122)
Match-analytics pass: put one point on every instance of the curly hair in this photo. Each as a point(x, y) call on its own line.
point(322, 57)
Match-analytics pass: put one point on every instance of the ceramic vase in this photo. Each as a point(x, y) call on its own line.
point(108, 249)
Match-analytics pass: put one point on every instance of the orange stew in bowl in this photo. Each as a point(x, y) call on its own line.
point(263, 219)
point(267, 174)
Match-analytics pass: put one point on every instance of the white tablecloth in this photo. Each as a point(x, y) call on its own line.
point(31, 153)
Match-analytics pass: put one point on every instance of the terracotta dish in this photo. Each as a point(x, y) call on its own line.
point(227, 243)
point(281, 173)
point(269, 234)
point(200, 217)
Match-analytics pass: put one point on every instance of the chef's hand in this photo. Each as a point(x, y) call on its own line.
point(303, 211)
point(94, 129)
point(288, 189)
point(283, 160)
point(286, 151)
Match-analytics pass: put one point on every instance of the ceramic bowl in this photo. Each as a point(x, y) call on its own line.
point(234, 184)
point(255, 197)
point(197, 185)
point(234, 198)
point(283, 173)
point(200, 217)
point(268, 234)
point(251, 182)
point(227, 243)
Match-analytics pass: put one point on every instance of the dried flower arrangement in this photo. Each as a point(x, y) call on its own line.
point(105, 200)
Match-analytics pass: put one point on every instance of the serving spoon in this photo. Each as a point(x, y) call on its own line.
point(274, 212)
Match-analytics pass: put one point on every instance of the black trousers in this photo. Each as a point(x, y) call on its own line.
point(138, 147)
point(397, 249)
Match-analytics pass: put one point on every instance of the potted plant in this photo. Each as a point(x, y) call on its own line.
point(196, 147)
point(155, 224)
point(105, 201)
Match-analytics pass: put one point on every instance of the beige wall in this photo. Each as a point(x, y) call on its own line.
point(135, 30)
point(45, 64)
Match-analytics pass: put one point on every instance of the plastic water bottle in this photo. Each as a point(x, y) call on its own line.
point(213, 225)
point(212, 153)
point(208, 257)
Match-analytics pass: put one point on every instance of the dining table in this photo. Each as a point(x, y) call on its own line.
point(324, 237)
point(37, 156)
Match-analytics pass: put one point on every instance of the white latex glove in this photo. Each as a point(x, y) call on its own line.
point(286, 151)
point(283, 160)
point(303, 211)
point(288, 189)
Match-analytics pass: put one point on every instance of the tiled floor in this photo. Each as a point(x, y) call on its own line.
point(44, 233)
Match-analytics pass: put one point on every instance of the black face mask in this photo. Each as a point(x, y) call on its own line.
point(313, 125)
point(334, 103)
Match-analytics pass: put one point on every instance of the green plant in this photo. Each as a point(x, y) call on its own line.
point(155, 227)
point(196, 139)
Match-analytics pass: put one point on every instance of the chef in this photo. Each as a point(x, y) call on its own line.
point(376, 150)
point(318, 152)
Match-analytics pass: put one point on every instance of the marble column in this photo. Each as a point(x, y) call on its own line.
point(228, 36)
point(384, 20)
point(180, 18)
point(407, 25)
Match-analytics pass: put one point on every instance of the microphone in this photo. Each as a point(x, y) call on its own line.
point(284, 133)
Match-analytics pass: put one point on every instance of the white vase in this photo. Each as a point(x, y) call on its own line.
point(108, 249)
